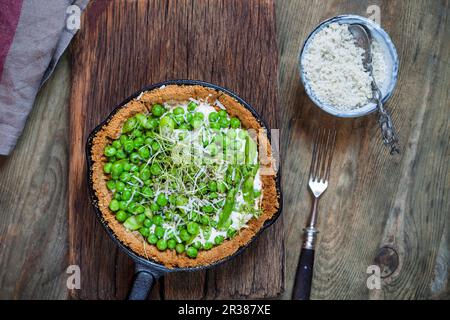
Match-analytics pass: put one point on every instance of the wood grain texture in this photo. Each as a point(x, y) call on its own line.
point(124, 45)
point(374, 201)
point(352, 225)
point(33, 199)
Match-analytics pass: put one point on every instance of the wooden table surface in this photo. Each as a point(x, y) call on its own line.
point(393, 212)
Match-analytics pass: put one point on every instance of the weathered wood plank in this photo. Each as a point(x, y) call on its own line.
point(373, 199)
point(125, 45)
point(33, 193)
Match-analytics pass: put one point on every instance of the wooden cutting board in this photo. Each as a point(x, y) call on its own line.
point(125, 45)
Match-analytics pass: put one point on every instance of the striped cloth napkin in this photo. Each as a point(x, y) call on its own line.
point(33, 36)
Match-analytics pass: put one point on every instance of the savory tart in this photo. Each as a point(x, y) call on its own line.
point(180, 176)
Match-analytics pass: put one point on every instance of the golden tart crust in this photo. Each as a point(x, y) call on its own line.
point(134, 240)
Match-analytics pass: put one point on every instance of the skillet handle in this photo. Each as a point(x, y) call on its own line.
point(143, 283)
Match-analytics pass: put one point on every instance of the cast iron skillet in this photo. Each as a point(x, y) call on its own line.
point(147, 271)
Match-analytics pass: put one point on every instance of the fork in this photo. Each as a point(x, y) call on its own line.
point(319, 174)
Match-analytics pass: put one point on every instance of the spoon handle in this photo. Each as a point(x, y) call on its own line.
point(388, 132)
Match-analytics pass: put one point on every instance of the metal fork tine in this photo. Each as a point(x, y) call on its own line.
point(330, 154)
point(314, 156)
point(319, 155)
point(323, 163)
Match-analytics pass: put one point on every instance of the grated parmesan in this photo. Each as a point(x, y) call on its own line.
point(334, 70)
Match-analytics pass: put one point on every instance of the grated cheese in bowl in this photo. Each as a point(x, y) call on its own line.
point(332, 70)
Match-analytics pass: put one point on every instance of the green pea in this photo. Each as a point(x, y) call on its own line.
point(140, 210)
point(184, 235)
point(191, 106)
point(148, 141)
point(135, 158)
point(154, 207)
point(123, 138)
point(223, 114)
point(173, 199)
point(214, 125)
point(134, 168)
point(117, 168)
point(114, 205)
point(144, 232)
point(207, 209)
point(197, 245)
point(120, 186)
point(110, 151)
point(179, 119)
point(152, 238)
point(179, 248)
point(167, 124)
point(196, 123)
point(208, 245)
point(212, 149)
point(189, 117)
point(218, 240)
point(161, 244)
point(128, 146)
point(178, 111)
point(129, 125)
point(199, 116)
point(193, 228)
point(231, 233)
point(158, 220)
point(235, 123)
point(155, 146)
point(213, 116)
point(132, 207)
point(121, 216)
point(159, 231)
point(157, 110)
point(125, 176)
point(205, 220)
point(148, 222)
point(120, 154)
point(212, 185)
point(171, 244)
point(111, 185)
point(141, 118)
point(155, 169)
point(212, 195)
point(191, 252)
point(116, 144)
point(153, 123)
point(107, 167)
point(123, 205)
point(224, 122)
point(138, 142)
point(136, 133)
point(126, 195)
point(145, 174)
point(147, 192)
point(181, 200)
point(161, 200)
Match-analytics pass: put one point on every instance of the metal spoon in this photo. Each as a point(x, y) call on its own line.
point(363, 40)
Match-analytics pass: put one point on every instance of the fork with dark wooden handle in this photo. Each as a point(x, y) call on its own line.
point(319, 174)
